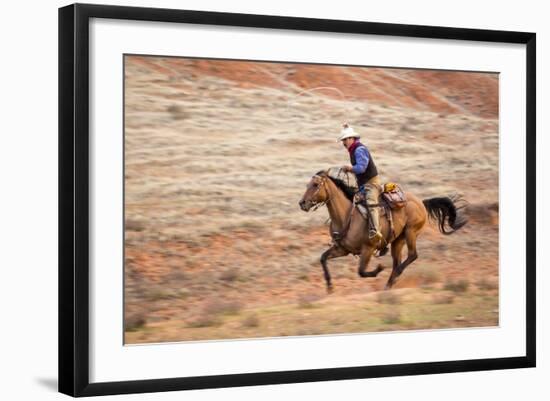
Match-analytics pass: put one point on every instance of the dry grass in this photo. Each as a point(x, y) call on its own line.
point(391, 317)
point(388, 297)
point(425, 276)
point(306, 301)
point(213, 313)
point(205, 321)
point(443, 298)
point(222, 307)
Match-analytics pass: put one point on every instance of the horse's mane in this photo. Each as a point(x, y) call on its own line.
point(349, 191)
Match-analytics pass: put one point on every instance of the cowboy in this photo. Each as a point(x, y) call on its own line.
point(362, 165)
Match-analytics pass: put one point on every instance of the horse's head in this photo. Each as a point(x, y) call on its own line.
point(316, 192)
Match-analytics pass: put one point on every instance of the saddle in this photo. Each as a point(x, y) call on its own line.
point(391, 198)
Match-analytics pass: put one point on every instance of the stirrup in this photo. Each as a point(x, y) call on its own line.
point(377, 234)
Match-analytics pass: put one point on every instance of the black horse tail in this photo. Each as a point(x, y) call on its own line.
point(446, 212)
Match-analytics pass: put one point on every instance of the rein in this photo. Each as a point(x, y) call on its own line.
point(337, 236)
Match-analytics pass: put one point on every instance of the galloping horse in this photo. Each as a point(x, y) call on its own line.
point(408, 222)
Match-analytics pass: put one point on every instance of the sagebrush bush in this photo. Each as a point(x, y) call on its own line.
point(457, 286)
point(486, 284)
point(229, 275)
point(391, 317)
point(134, 322)
point(251, 321)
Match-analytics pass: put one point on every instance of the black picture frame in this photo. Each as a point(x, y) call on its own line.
point(74, 191)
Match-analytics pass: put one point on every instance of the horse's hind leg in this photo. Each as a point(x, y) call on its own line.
point(412, 255)
point(396, 250)
point(331, 253)
point(366, 253)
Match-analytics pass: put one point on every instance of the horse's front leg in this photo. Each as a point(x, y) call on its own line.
point(334, 251)
point(366, 253)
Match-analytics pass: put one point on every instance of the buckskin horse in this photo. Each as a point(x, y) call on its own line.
point(349, 230)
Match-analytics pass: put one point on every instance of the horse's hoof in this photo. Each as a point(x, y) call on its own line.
point(330, 289)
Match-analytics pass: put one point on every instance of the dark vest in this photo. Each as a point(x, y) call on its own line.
point(371, 170)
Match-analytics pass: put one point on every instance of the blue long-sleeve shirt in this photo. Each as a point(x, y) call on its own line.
point(361, 160)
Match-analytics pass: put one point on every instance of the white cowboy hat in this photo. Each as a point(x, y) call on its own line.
point(347, 132)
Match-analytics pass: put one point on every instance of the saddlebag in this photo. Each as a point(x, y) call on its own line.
point(394, 196)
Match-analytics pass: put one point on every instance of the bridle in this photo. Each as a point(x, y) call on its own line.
point(317, 205)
